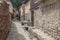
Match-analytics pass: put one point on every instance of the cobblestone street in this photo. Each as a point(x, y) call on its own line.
point(17, 32)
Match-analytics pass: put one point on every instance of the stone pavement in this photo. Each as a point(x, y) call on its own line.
point(17, 32)
point(41, 35)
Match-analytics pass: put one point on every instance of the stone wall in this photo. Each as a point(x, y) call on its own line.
point(21, 10)
point(27, 11)
point(48, 19)
point(5, 21)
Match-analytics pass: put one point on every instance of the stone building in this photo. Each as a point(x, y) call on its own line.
point(22, 12)
point(47, 16)
point(5, 20)
point(25, 11)
point(44, 15)
point(10, 7)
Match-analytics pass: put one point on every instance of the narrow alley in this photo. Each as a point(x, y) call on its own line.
point(17, 32)
point(29, 19)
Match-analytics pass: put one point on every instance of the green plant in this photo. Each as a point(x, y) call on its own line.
point(17, 3)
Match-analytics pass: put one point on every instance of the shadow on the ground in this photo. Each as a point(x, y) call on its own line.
point(14, 35)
